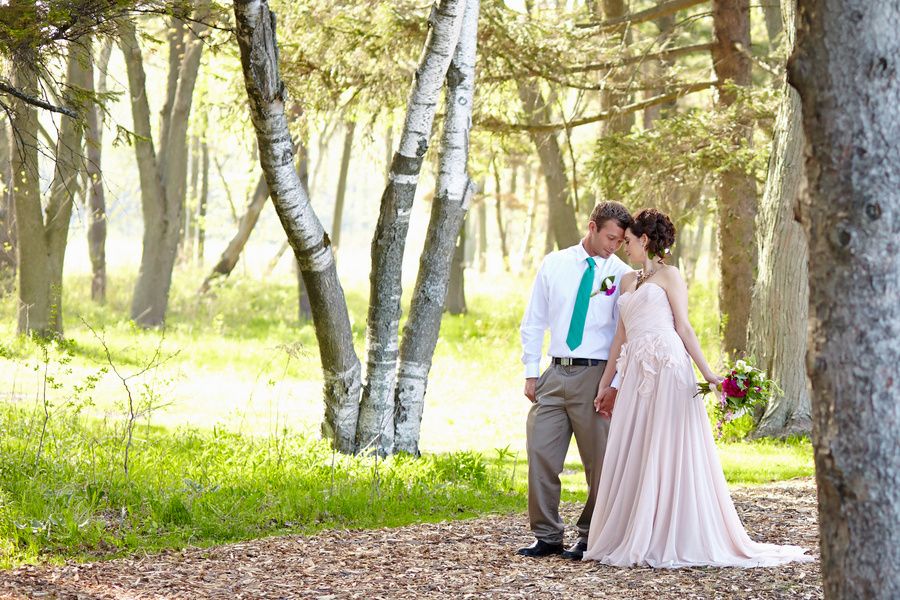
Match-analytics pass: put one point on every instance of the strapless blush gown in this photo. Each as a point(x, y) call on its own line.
point(662, 499)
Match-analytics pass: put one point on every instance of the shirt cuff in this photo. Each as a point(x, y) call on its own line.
point(616, 380)
point(532, 370)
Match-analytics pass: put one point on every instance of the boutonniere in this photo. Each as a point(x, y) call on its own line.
point(607, 286)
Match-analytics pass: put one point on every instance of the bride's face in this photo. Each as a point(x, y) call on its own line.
point(634, 248)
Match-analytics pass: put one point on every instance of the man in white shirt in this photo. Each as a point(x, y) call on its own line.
point(574, 296)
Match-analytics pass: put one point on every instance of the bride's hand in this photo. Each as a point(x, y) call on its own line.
point(598, 400)
point(714, 380)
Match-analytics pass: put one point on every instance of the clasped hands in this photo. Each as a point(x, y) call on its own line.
point(605, 400)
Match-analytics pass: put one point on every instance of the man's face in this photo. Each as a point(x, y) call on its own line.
point(607, 239)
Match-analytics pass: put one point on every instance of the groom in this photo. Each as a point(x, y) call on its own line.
point(574, 295)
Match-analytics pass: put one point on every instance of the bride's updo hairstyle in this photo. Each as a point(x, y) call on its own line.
point(658, 228)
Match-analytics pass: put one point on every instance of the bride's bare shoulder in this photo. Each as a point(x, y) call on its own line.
point(671, 274)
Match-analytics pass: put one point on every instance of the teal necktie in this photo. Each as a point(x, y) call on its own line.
point(579, 313)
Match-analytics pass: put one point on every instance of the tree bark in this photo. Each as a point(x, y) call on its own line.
point(7, 214)
point(247, 222)
point(375, 429)
point(255, 30)
point(498, 214)
point(845, 70)
point(481, 237)
point(202, 201)
point(774, 22)
point(609, 98)
point(32, 249)
point(778, 321)
point(96, 233)
point(561, 208)
point(342, 185)
point(735, 190)
point(163, 175)
point(456, 288)
point(454, 191)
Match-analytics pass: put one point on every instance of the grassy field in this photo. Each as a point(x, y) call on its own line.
point(223, 426)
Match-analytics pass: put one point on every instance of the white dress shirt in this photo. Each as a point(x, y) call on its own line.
point(552, 302)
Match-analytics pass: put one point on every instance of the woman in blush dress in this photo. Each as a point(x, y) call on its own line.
point(662, 499)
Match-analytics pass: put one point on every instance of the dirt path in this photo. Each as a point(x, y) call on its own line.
point(462, 559)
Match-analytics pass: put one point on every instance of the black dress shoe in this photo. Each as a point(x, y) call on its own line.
point(540, 548)
point(576, 552)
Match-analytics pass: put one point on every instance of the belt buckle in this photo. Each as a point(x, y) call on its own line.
point(565, 362)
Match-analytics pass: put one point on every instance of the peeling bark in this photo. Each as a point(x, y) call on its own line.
point(375, 429)
point(453, 193)
point(255, 31)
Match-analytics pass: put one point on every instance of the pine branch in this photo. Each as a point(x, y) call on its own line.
point(8, 89)
point(501, 126)
point(663, 9)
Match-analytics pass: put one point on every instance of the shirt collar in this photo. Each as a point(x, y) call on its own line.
point(581, 254)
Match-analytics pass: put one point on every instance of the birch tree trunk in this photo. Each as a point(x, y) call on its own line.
point(561, 208)
point(346, 154)
point(778, 321)
point(96, 233)
point(456, 287)
point(255, 30)
point(375, 429)
point(736, 190)
point(454, 191)
point(845, 69)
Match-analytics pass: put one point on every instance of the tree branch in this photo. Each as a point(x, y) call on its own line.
point(497, 125)
point(630, 60)
point(663, 9)
point(8, 89)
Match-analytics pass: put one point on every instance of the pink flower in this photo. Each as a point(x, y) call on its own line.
point(611, 291)
point(731, 388)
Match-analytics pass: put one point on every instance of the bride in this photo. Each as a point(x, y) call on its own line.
point(667, 504)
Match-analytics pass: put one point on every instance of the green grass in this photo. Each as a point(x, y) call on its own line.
point(230, 450)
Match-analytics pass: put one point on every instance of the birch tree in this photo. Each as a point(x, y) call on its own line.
point(375, 428)
point(255, 31)
point(453, 193)
point(781, 294)
point(845, 70)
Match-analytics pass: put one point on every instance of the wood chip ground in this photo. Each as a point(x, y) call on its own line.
point(461, 559)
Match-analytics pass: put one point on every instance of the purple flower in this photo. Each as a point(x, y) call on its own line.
point(611, 291)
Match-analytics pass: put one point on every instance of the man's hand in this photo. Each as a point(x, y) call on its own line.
point(530, 384)
point(605, 400)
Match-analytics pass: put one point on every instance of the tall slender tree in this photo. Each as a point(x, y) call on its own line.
point(845, 69)
point(451, 200)
point(375, 428)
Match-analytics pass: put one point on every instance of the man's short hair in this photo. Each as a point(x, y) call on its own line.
point(606, 211)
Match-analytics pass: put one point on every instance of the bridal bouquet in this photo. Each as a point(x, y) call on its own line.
point(744, 388)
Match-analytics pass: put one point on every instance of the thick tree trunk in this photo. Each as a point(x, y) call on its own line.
point(255, 30)
point(454, 191)
point(247, 222)
point(69, 165)
point(7, 214)
point(609, 98)
point(845, 69)
point(96, 233)
point(163, 176)
point(175, 34)
point(736, 190)
point(778, 321)
point(346, 154)
point(375, 429)
point(32, 247)
point(561, 208)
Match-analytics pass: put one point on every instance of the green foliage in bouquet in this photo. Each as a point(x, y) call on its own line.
point(745, 387)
